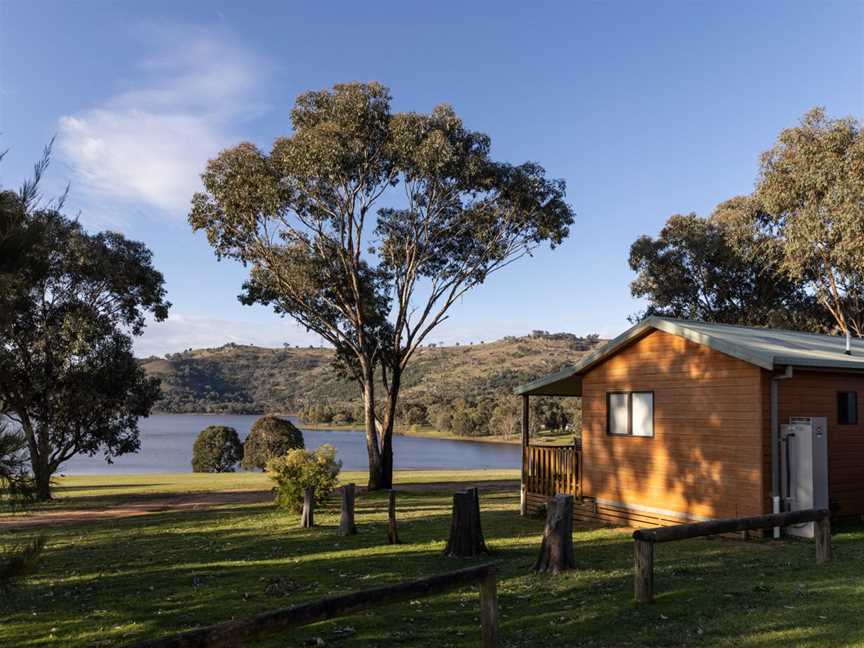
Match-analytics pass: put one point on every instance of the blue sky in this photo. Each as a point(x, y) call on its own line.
point(645, 108)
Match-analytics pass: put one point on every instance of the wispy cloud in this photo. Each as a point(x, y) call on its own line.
point(149, 142)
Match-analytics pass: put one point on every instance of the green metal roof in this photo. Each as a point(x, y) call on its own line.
point(763, 347)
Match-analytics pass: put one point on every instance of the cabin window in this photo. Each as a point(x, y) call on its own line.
point(847, 408)
point(630, 413)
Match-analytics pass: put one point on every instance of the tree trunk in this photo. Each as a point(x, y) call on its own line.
point(376, 473)
point(307, 520)
point(556, 550)
point(42, 479)
point(466, 536)
point(37, 447)
point(346, 520)
point(387, 429)
point(392, 534)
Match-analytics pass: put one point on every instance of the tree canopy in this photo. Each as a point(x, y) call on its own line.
point(270, 437)
point(68, 377)
point(812, 186)
point(217, 448)
point(719, 269)
point(789, 255)
point(366, 226)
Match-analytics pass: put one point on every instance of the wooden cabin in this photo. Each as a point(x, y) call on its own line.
point(685, 421)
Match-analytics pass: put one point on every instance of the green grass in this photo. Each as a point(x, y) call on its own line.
point(114, 581)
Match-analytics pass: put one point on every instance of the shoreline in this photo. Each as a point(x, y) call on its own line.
point(424, 433)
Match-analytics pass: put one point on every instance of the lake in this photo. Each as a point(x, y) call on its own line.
point(166, 447)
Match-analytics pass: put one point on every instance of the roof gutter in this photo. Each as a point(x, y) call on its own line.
point(776, 486)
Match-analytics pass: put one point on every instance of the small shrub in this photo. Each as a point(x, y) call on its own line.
point(217, 449)
point(298, 469)
point(270, 437)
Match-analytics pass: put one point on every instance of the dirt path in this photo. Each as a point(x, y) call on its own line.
point(197, 502)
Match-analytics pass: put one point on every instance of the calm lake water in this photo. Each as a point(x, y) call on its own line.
point(166, 446)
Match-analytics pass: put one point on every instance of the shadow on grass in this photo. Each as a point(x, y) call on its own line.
point(148, 576)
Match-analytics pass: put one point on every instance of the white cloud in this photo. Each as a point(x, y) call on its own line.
point(149, 143)
point(181, 332)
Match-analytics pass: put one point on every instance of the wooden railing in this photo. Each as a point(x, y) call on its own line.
point(269, 624)
point(645, 539)
point(549, 470)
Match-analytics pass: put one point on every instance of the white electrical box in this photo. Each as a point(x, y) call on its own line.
point(804, 467)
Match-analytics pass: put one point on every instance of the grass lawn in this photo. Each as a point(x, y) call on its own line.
point(108, 582)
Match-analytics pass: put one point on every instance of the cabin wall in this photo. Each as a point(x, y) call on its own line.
point(706, 458)
point(810, 393)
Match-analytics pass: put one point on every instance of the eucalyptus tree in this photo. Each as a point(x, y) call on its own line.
point(812, 186)
point(723, 268)
point(68, 378)
point(367, 225)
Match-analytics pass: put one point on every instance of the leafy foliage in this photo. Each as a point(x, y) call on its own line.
point(302, 218)
point(812, 186)
point(16, 485)
point(67, 374)
point(270, 437)
point(297, 470)
point(217, 449)
point(719, 269)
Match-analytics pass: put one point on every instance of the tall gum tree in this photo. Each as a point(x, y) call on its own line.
point(812, 186)
point(366, 226)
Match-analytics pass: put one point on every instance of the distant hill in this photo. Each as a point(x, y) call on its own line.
point(249, 379)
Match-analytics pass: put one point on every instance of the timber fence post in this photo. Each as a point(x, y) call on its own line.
point(307, 520)
point(392, 534)
point(489, 610)
point(346, 520)
point(643, 570)
point(822, 530)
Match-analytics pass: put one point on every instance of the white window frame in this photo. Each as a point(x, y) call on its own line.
point(629, 395)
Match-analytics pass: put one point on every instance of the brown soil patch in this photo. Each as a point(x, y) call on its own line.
point(196, 502)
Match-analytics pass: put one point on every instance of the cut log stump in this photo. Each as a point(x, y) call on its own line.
point(346, 520)
point(392, 534)
point(307, 520)
point(556, 550)
point(466, 535)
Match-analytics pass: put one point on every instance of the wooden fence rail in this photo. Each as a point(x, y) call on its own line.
point(645, 539)
point(234, 633)
point(550, 470)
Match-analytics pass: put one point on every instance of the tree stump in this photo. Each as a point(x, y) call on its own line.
point(346, 520)
point(392, 535)
point(556, 550)
point(307, 520)
point(466, 536)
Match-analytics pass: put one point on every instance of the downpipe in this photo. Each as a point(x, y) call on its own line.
point(776, 442)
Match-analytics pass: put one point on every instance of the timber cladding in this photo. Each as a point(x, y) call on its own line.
point(814, 393)
point(706, 457)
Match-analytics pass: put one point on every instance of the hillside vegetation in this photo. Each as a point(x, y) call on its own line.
point(457, 389)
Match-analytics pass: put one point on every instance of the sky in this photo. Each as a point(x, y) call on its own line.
point(646, 109)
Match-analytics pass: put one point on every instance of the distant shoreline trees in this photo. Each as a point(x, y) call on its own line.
point(314, 220)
